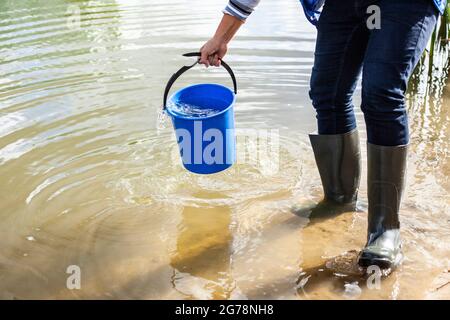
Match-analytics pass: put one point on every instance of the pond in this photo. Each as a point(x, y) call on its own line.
point(91, 177)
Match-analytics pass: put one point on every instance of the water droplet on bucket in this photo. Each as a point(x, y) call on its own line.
point(161, 121)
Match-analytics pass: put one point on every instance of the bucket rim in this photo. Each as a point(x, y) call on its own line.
point(176, 115)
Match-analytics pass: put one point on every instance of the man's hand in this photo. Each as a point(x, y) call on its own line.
point(212, 52)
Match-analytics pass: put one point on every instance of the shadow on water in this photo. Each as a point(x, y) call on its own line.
point(322, 211)
point(202, 258)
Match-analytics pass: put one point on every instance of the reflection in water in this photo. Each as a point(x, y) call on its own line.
point(87, 180)
point(203, 253)
point(428, 105)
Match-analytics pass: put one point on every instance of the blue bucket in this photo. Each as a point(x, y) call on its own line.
point(206, 138)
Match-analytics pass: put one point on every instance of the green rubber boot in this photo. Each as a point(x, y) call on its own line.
point(338, 159)
point(386, 180)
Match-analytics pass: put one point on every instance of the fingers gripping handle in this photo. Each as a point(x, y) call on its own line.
point(222, 63)
point(183, 69)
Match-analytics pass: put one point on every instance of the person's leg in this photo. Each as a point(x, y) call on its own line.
point(340, 47)
point(341, 43)
point(392, 54)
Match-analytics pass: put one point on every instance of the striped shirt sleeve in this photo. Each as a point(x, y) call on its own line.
point(240, 9)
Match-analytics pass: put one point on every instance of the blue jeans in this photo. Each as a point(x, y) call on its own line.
point(386, 57)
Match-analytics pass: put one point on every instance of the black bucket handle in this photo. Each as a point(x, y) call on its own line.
point(186, 68)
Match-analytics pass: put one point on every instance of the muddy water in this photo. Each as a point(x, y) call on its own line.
point(90, 177)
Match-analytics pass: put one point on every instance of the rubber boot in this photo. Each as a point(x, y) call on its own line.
point(386, 180)
point(338, 159)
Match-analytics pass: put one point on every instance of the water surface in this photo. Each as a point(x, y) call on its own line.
point(90, 175)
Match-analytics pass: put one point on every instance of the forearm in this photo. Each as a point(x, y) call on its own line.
point(234, 17)
point(227, 28)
